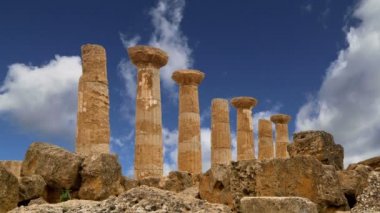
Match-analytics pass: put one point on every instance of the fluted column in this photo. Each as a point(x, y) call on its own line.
point(148, 129)
point(189, 125)
point(220, 132)
point(245, 141)
point(282, 136)
point(266, 149)
point(93, 128)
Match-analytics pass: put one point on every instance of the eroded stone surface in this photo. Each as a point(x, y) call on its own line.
point(189, 124)
point(266, 149)
point(101, 177)
point(148, 129)
point(319, 144)
point(277, 205)
point(13, 166)
point(58, 167)
point(369, 200)
point(244, 129)
point(220, 132)
point(93, 128)
point(31, 187)
point(282, 134)
point(8, 190)
point(299, 176)
point(374, 163)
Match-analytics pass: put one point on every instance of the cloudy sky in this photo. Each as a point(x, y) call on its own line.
point(318, 61)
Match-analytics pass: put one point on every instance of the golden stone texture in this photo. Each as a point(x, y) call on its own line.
point(189, 125)
point(93, 128)
point(220, 132)
point(12, 166)
point(282, 136)
point(245, 141)
point(148, 132)
point(266, 149)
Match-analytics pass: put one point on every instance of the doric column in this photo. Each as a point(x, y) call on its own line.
point(245, 141)
point(93, 128)
point(282, 136)
point(220, 132)
point(189, 125)
point(148, 129)
point(266, 149)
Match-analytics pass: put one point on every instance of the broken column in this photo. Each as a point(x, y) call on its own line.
point(220, 132)
point(245, 141)
point(189, 125)
point(282, 136)
point(266, 149)
point(93, 128)
point(148, 129)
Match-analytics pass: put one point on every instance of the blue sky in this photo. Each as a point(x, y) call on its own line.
point(315, 60)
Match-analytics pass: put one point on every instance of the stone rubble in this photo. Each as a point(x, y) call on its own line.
point(277, 205)
point(369, 200)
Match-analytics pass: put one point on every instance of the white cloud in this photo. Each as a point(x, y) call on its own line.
point(43, 99)
point(347, 104)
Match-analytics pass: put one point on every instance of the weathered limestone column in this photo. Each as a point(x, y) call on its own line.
point(148, 133)
point(282, 136)
point(93, 128)
point(220, 132)
point(189, 125)
point(245, 141)
point(266, 149)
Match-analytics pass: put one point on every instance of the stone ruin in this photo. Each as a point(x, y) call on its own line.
point(304, 176)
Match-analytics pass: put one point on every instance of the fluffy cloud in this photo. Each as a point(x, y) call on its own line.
point(347, 104)
point(43, 99)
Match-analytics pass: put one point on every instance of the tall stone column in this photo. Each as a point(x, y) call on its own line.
point(245, 141)
point(220, 132)
point(189, 125)
point(148, 129)
point(266, 149)
point(93, 127)
point(282, 136)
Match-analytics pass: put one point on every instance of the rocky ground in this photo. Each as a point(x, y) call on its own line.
point(311, 180)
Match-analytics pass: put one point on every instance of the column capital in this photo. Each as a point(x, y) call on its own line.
point(244, 102)
point(142, 56)
point(188, 77)
point(280, 118)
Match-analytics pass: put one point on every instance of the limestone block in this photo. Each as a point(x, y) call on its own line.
point(374, 163)
point(266, 149)
point(368, 201)
point(319, 144)
point(13, 166)
point(277, 205)
point(8, 190)
point(31, 187)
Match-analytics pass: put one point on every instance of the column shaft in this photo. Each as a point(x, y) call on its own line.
point(282, 140)
point(266, 149)
point(220, 132)
point(93, 128)
point(245, 141)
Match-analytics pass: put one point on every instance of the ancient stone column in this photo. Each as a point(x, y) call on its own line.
point(148, 130)
point(189, 125)
point(220, 132)
point(245, 141)
point(266, 149)
point(93, 128)
point(282, 136)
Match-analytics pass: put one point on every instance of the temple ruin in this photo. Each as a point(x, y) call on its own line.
point(282, 136)
point(266, 149)
point(93, 128)
point(148, 129)
point(220, 132)
point(189, 124)
point(244, 129)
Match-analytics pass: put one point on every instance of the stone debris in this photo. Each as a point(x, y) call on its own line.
point(369, 200)
point(13, 166)
point(31, 187)
point(244, 127)
point(189, 122)
point(220, 132)
point(318, 144)
point(277, 205)
point(141, 199)
point(9, 188)
point(282, 136)
point(374, 163)
point(93, 127)
point(148, 133)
